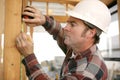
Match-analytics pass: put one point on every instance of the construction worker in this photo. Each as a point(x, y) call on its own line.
point(77, 39)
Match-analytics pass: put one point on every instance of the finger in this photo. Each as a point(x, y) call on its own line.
point(25, 39)
point(21, 40)
point(18, 43)
point(24, 36)
point(30, 9)
point(29, 21)
point(28, 14)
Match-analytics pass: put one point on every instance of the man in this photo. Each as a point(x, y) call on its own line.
point(77, 39)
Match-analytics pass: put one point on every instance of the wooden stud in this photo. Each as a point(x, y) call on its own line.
point(61, 19)
point(2, 7)
point(30, 2)
point(58, 1)
point(66, 8)
point(23, 73)
point(107, 2)
point(73, 2)
point(31, 31)
point(47, 8)
point(31, 28)
point(24, 4)
point(118, 4)
point(1, 57)
point(12, 29)
point(22, 68)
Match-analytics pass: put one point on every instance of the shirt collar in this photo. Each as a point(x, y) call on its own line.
point(86, 53)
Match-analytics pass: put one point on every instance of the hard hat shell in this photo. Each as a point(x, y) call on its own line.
point(92, 11)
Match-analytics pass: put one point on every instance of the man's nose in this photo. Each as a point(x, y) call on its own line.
point(67, 27)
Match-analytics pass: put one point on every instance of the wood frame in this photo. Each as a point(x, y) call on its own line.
point(12, 27)
point(59, 1)
point(2, 6)
point(11, 30)
point(118, 4)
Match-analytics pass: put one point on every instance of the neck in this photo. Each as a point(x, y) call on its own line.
point(78, 49)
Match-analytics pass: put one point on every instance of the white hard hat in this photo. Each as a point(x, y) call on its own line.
point(92, 11)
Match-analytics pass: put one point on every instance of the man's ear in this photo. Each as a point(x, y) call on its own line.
point(91, 33)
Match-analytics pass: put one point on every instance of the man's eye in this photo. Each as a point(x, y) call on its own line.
point(72, 24)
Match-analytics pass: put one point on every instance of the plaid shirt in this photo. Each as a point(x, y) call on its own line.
point(88, 65)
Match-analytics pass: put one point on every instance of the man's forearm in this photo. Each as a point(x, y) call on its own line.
point(52, 26)
point(33, 68)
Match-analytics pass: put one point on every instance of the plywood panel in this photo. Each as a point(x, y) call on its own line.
point(12, 29)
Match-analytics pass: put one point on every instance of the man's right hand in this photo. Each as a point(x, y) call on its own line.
point(37, 17)
point(24, 44)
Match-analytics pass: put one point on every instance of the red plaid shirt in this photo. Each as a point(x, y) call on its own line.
point(88, 65)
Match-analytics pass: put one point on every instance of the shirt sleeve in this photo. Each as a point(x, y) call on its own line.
point(54, 28)
point(35, 72)
point(33, 68)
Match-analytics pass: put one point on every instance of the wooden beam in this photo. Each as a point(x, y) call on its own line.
point(31, 28)
point(12, 29)
point(24, 4)
point(61, 19)
point(2, 7)
point(107, 2)
point(1, 57)
point(58, 1)
point(24, 26)
point(47, 12)
point(118, 4)
point(72, 2)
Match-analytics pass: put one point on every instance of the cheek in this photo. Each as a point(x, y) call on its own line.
point(78, 33)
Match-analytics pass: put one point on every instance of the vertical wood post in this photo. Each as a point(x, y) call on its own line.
point(2, 6)
point(118, 4)
point(1, 62)
point(24, 4)
point(12, 29)
point(31, 28)
point(23, 73)
point(47, 12)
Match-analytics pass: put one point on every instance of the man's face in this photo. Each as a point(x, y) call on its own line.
point(74, 32)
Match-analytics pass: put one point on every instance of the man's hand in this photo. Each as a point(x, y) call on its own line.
point(24, 44)
point(35, 16)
